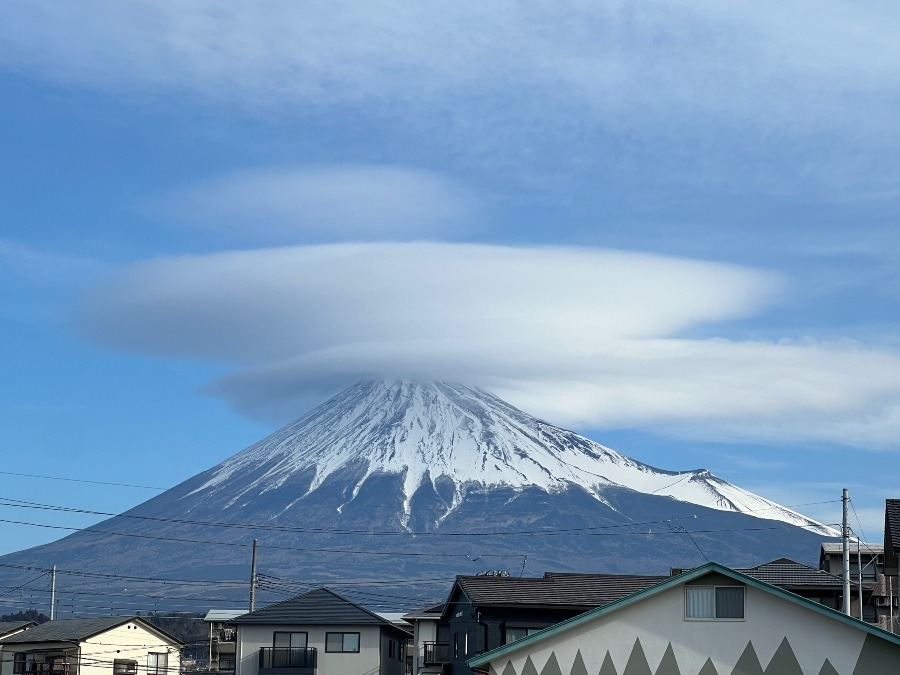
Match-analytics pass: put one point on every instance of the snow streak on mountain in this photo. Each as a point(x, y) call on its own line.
point(438, 434)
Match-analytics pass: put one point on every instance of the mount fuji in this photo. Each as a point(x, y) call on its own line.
point(409, 483)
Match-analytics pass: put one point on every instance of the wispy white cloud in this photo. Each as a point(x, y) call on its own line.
point(580, 336)
point(731, 77)
point(335, 202)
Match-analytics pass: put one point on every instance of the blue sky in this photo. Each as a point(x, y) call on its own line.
point(671, 226)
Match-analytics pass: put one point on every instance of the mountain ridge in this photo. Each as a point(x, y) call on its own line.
point(429, 430)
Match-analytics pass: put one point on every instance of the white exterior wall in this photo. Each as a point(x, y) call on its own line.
point(424, 630)
point(252, 638)
point(96, 655)
point(659, 620)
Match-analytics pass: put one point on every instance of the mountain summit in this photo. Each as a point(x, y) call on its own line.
point(450, 439)
point(407, 484)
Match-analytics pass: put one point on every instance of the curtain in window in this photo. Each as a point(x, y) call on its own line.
point(701, 602)
point(729, 603)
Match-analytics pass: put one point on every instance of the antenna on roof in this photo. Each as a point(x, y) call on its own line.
point(493, 573)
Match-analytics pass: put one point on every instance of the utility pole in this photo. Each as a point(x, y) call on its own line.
point(253, 577)
point(845, 534)
point(53, 593)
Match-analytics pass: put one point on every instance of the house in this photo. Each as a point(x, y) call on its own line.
point(98, 646)
point(711, 620)
point(875, 598)
point(8, 628)
point(222, 634)
point(431, 645)
point(485, 611)
point(318, 633)
point(891, 538)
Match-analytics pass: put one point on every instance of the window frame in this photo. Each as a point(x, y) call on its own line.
point(343, 649)
point(715, 588)
point(125, 666)
point(158, 669)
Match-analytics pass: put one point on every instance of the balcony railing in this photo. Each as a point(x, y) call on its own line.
point(436, 653)
point(286, 658)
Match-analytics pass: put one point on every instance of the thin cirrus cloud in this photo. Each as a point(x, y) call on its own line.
point(795, 67)
point(593, 337)
point(326, 203)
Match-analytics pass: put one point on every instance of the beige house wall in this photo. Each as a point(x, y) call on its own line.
point(96, 655)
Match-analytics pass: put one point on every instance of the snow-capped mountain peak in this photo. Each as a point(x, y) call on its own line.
point(430, 432)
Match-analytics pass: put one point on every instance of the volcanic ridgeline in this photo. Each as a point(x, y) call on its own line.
point(402, 485)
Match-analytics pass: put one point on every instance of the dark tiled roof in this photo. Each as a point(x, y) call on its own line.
point(554, 589)
point(319, 607)
point(789, 574)
point(66, 630)
point(892, 526)
point(10, 626)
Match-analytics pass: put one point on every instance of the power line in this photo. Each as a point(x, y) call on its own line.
point(81, 480)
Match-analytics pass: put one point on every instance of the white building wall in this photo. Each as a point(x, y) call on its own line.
point(252, 638)
point(659, 620)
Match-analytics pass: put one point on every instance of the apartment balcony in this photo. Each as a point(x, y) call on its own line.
point(287, 661)
point(435, 653)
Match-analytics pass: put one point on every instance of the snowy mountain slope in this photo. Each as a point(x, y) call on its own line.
point(439, 434)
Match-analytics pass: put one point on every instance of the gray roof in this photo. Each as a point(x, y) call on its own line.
point(317, 607)
point(864, 548)
point(12, 626)
point(553, 589)
point(76, 630)
point(789, 574)
point(66, 630)
point(223, 614)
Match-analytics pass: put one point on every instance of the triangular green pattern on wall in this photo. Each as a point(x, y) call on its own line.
point(828, 669)
point(749, 663)
point(668, 665)
point(509, 670)
point(608, 667)
point(637, 662)
point(877, 656)
point(552, 666)
point(578, 667)
point(708, 668)
point(784, 661)
point(528, 668)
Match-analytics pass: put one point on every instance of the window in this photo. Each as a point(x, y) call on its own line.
point(341, 642)
point(285, 640)
point(456, 645)
point(714, 602)
point(157, 664)
point(513, 633)
point(124, 667)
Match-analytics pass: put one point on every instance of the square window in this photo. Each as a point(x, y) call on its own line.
point(341, 642)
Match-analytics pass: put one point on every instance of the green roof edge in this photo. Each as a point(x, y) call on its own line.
point(685, 577)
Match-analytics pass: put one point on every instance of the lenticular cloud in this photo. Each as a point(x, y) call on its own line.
point(586, 336)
